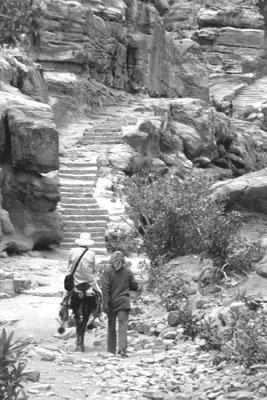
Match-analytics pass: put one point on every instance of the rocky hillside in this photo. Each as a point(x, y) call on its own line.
point(231, 34)
point(87, 48)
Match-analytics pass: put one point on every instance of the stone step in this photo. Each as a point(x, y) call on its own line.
point(94, 230)
point(94, 212)
point(72, 242)
point(81, 187)
point(64, 176)
point(76, 235)
point(99, 147)
point(93, 135)
point(70, 245)
point(88, 142)
point(78, 195)
point(87, 199)
point(73, 207)
point(81, 197)
point(84, 217)
point(85, 225)
point(78, 171)
point(100, 137)
point(105, 127)
point(107, 130)
point(77, 164)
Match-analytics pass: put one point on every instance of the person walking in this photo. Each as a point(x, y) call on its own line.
point(231, 109)
point(85, 273)
point(85, 298)
point(117, 282)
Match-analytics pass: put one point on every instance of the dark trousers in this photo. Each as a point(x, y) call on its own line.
point(123, 317)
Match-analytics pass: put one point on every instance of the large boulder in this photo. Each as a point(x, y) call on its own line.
point(200, 128)
point(249, 191)
point(31, 200)
point(145, 139)
point(28, 135)
point(121, 157)
point(33, 135)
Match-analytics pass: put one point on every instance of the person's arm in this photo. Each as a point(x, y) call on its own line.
point(70, 262)
point(105, 284)
point(132, 282)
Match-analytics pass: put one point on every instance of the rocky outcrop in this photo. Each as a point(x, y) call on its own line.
point(184, 133)
point(28, 148)
point(121, 44)
point(248, 191)
point(232, 37)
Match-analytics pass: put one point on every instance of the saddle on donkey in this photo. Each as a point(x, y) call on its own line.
point(72, 300)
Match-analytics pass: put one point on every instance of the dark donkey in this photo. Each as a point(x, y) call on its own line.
point(83, 306)
point(84, 295)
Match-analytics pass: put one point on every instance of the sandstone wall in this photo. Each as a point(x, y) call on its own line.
point(28, 150)
point(230, 33)
point(120, 44)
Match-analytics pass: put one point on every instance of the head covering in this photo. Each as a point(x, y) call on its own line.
point(117, 260)
point(84, 240)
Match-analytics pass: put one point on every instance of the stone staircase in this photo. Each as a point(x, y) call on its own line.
point(106, 133)
point(254, 95)
point(80, 207)
point(80, 210)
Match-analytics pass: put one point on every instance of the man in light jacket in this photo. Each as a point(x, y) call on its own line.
point(117, 281)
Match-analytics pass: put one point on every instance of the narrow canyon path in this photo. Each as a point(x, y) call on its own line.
point(158, 368)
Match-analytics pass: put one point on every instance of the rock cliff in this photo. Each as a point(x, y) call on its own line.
point(232, 36)
point(87, 47)
point(28, 151)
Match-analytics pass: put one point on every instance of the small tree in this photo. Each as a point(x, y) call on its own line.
point(17, 17)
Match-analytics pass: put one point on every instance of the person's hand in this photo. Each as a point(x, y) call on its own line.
point(105, 309)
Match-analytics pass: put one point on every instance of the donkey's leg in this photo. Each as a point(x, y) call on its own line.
point(75, 305)
point(88, 305)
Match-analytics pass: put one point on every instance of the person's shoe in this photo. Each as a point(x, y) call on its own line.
point(123, 354)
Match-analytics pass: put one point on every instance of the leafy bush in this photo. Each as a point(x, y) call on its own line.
point(180, 216)
point(11, 368)
point(237, 256)
point(17, 17)
point(256, 156)
point(120, 239)
point(172, 290)
point(248, 345)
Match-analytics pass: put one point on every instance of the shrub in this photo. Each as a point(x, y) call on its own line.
point(11, 368)
point(248, 345)
point(120, 239)
point(172, 289)
point(232, 254)
point(180, 217)
point(256, 156)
